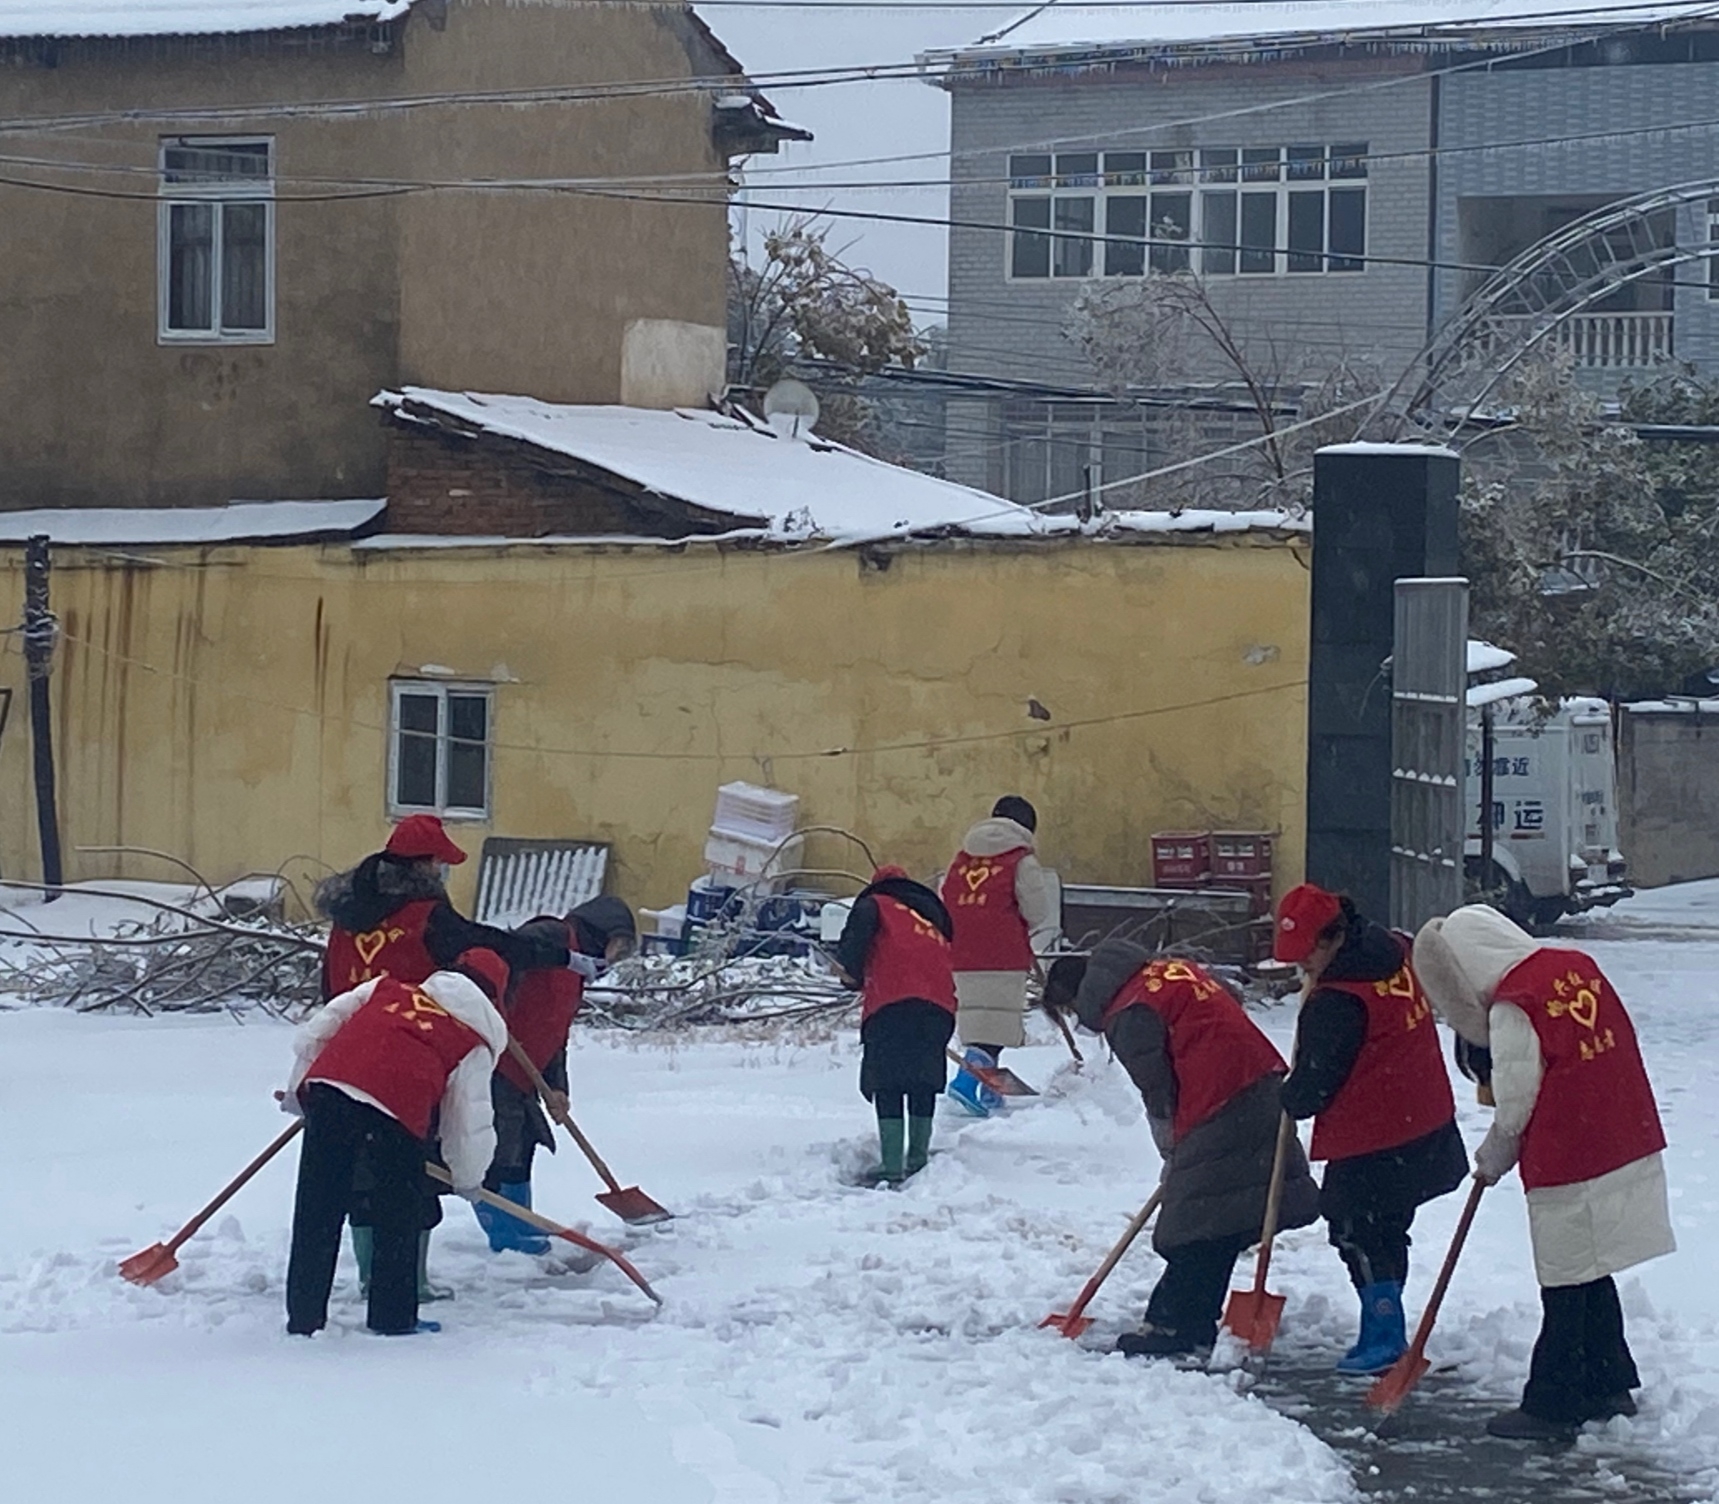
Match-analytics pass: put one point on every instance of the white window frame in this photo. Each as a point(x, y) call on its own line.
point(217, 192)
point(440, 689)
point(1191, 173)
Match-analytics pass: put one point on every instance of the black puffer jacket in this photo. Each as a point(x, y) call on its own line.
point(862, 922)
point(1219, 1174)
point(361, 898)
point(1328, 1040)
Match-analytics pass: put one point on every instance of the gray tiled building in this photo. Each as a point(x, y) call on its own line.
point(1338, 176)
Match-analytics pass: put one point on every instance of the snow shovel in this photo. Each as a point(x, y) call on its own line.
point(1392, 1387)
point(1072, 1322)
point(628, 1203)
point(1253, 1314)
point(553, 1229)
point(157, 1261)
point(999, 1078)
point(1056, 1016)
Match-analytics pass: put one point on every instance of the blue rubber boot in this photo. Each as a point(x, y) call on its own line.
point(1383, 1339)
point(506, 1233)
point(966, 1089)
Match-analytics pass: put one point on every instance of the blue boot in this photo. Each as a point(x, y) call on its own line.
point(507, 1233)
point(1383, 1339)
point(966, 1089)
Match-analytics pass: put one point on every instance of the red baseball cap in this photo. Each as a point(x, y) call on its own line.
point(888, 871)
point(487, 969)
point(421, 836)
point(1302, 913)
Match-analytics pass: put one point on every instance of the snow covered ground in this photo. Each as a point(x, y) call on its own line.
point(821, 1342)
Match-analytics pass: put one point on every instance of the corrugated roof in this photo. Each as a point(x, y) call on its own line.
point(1274, 27)
point(147, 18)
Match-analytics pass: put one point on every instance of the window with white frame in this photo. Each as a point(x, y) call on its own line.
point(439, 748)
point(1222, 211)
point(216, 240)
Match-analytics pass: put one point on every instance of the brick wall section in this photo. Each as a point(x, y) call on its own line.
point(441, 484)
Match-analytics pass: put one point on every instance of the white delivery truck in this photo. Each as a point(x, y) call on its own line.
point(1547, 777)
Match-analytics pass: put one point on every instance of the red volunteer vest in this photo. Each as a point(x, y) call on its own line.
point(908, 958)
point(1595, 1112)
point(543, 1008)
point(1398, 1090)
point(395, 948)
point(1216, 1050)
point(399, 1048)
point(990, 934)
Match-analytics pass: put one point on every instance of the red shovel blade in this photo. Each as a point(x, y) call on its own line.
point(1068, 1323)
point(1253, 1316)
point(153, 1263)
point(634, 1207)
point(1392, 1387)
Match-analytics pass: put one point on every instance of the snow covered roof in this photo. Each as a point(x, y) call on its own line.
point(1275, 28)
point(775, 488)
point(238, 522)
point(1504, 689)
point(146, 18)
point(1484, 657)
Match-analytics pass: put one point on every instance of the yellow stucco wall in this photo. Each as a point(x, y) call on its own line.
point(229, 705)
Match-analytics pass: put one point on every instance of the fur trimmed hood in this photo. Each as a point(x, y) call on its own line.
point(361, 898)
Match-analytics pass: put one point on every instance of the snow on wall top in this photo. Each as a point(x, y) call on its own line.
point(786, 489)
point(146, 18)
point(1051, 28)
point(238, 522)
point(1484, 657)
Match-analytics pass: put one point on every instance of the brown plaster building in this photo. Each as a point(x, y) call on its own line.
point(217, 245)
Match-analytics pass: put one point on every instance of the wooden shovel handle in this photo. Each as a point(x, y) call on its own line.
point(1430, 1314)
point(554, 1229)
point(233, 1186)
point(1114, 1257)
point(563, 1117)
point(1273, 1200)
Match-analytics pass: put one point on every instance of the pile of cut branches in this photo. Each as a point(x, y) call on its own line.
point(177, 960)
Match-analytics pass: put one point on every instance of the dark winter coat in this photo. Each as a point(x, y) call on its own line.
point(1328, 1040)
point(862, 921)
point(362, 898)
point(903, 1043)
point(1218, 1176)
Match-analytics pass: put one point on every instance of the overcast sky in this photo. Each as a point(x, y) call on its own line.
point(861, 120)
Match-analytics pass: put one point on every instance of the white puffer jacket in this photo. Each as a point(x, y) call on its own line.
point(991, 1005)
point(1580, 1232)
point(466, 1116)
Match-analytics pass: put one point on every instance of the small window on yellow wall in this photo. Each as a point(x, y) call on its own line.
point(439, 748)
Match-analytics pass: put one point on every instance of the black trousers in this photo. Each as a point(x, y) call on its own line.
point(1581, 1357)
point(1189, 1296)
point(1373, 1243)
point(339, 1133)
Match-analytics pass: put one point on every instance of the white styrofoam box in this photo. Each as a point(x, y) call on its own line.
point(740, 857)
point(755, 814)
point(832, 917)
point(667, 921)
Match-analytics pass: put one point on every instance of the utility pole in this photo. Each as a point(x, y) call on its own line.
point(40, 632)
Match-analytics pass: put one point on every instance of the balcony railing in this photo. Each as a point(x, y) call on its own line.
point(1611, 341)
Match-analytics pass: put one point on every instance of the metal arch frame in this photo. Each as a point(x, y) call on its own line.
point(1578, 286)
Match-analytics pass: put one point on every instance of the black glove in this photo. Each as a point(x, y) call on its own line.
point(1474, 1061)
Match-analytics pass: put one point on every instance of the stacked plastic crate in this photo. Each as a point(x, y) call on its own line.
point(751, 846)
point(1234, 860)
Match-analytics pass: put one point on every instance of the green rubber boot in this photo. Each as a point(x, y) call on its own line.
point(892, 1139)
point(427, 1291)
point(363, 1249)
point(918, 1144)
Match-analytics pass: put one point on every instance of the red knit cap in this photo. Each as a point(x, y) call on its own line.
point(487, 969)
point(422, 836)
point(888, 871)
point(1301, 914)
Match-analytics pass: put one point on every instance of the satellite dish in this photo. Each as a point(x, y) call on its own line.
point(791, 408)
